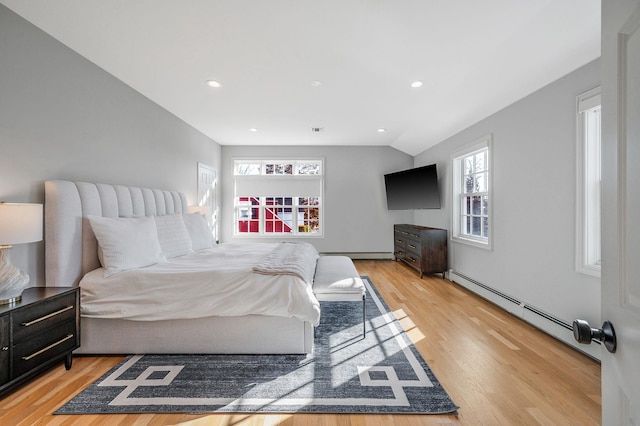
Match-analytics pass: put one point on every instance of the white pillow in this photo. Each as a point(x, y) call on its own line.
point(126, 243)
point(199, 232)
point(173, 236)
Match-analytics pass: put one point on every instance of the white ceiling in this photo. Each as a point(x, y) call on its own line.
point(474, 57)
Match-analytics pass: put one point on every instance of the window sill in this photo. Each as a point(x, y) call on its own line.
point(279, 236)
point(486, 245)
point(591, 270)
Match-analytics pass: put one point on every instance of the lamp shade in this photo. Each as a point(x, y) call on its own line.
point(20, 223)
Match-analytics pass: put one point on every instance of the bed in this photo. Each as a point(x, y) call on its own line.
point(175, 324)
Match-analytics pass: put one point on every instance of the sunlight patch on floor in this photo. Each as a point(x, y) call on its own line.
point(415, 335)
point(407, 323)
point(409, 326)
point(400, 314)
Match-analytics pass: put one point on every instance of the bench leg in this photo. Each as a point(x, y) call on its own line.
point(364, 316)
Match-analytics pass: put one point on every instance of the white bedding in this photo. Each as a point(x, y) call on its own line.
point(297, 259)
point(212, 282)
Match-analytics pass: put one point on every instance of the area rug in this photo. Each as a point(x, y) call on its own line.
point(347, 373)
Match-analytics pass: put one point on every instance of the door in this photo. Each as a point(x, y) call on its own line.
point(621, 209)
point(208, 195)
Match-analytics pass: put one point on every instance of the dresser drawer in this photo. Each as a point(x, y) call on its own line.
point(413, 259)
point(398, 251)
point(41, 347)
point(399, 239)
point(413, 246)
point(44, 316)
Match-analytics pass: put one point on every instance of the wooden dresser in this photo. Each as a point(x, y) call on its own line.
point(38, 332)
point(421, 247)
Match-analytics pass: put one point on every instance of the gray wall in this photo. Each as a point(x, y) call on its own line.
point(534, 193)
point(62, 117)
point(356, 218)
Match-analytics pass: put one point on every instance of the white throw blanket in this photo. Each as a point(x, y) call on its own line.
point(297, 259)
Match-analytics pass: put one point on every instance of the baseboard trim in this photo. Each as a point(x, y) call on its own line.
point(362, 255)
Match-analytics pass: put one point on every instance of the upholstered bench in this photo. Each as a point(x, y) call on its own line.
point(337, 280)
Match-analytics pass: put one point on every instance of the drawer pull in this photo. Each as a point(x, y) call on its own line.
point(43, 350)
point(412, 246)
point(411, 259)
point(46, 317)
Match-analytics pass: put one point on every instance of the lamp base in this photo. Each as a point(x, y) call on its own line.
point(11, 300)
point(12, 280)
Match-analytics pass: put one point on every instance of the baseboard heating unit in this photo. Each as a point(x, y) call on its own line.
point(548, 323)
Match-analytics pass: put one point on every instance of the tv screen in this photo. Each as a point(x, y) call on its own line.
point(413, 189)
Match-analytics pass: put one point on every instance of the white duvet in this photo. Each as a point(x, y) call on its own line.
point(213, 282)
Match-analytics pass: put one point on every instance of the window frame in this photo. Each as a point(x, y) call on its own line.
point(588, 185)
point(271, 176)
point(457, 178)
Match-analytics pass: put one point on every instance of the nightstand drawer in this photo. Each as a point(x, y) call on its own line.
point(5, 342)
point(44, 346)
point(44, 316)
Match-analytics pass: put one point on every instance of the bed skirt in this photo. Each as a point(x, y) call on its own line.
point(252, 334)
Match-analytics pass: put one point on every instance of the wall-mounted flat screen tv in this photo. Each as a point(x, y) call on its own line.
point(413, 189)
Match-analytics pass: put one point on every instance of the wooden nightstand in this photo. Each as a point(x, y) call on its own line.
point(38, 332)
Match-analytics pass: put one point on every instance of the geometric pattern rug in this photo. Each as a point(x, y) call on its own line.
point(346, 373)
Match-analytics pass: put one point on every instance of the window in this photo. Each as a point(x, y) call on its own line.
point(471, 183)
point(588, 181)
point(278, 197)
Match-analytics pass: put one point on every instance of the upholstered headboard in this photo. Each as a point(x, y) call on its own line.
point(71, 249)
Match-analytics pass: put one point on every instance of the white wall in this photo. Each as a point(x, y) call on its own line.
point(356, 218)
point(62, 117)
point(534, 192)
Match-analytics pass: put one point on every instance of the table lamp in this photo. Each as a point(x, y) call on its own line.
point(19, 224)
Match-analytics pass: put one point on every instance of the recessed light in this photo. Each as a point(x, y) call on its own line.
point(381, 130)
point(213, 83)
point(253, 129)
point(416, 84)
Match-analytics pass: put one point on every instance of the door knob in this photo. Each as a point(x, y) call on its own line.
point(583, 333)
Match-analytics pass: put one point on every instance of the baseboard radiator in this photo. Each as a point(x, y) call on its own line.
point(548, 323)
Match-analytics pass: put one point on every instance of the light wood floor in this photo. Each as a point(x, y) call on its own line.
point(496, 368)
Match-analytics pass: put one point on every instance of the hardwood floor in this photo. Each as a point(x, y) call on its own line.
point(496, 368)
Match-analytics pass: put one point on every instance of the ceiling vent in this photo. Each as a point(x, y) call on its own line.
point(317, 129)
